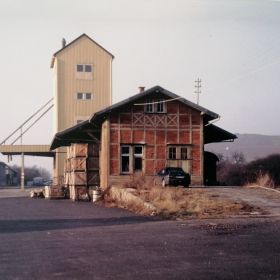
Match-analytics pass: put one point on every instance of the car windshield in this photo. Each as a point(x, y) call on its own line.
point(176, 172)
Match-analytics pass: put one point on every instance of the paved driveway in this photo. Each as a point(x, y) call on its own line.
point(267, 200)
point(59, 239)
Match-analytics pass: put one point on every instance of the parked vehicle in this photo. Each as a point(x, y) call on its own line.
point(38, 181)
point(174, 176)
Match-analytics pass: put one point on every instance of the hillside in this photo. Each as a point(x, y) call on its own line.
point(253, 146)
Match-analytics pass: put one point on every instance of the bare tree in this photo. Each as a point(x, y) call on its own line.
point(238, 158)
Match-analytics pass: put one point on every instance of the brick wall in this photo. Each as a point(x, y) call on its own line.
point(179, 125)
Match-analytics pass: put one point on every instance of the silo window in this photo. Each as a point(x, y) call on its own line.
point(84, 68)
point(79, 95)
point(87, 68)
point(84, 95)
point(88, 95)
point(80, 68)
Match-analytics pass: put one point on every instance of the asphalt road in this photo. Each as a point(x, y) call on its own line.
point(60, 239)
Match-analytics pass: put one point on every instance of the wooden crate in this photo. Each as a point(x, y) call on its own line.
point(93, 150)
point(78, 178)
point(79, 164)
point(92, 163)
point(79, 150)
point(67, 165)
point(93, 178)
point(52, 192)
point(67, 179)
point(72, 193)
point(68, 152)
point(78, 192)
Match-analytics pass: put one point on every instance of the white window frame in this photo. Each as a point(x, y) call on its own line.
point(155, 106)
point(88, 66)
point(179, 154)
point(83, 68)
point(88, 96)
point(160, 106)
point(79, 96)
point(84, 96)
point(123, 154)
point(132, 155)
point(137, 156)
point(149, 108)
point(184, 152)
point(79, 68)
point(172, 151)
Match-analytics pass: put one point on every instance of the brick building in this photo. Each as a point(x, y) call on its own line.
point(146, 132)
point(8, 176)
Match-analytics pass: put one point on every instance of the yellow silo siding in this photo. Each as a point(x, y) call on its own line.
point(55, 128)
point(67, 84)
point(83, 51)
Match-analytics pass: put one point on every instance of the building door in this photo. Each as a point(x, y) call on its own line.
point(179, 156)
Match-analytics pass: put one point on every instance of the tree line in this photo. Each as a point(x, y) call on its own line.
point(32, 172)
point(235, 171)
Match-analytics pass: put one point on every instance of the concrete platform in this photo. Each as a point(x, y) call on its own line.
point(6, 192)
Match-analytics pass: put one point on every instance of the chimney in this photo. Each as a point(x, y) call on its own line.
point(63, 42)
point(141, 89)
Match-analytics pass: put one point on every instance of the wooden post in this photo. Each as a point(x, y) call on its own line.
point(22, 162)
point(22, 171)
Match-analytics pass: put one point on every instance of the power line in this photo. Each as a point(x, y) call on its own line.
point(156, 102)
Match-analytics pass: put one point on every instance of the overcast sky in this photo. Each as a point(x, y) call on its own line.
point(232, 45)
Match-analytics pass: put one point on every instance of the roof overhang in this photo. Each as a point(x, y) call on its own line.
point(215, 134)
point(83, 132)
point(29, 150)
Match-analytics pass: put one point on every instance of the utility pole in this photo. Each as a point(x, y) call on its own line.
point(197, 86)
point(22, 163)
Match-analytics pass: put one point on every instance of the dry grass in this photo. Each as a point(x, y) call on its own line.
point(262, 180)
point(173, 202)
point(127, 198)
point(181, 203)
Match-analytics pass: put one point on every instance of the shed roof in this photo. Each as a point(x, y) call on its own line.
point(82, 132)
point(214, 134)
point(72, 42)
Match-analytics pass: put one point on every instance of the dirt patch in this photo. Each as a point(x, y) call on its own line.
point(176, 202)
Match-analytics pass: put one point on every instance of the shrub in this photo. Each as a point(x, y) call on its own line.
point(264, 171)
point(269, 166)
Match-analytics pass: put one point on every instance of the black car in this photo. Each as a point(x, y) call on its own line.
point(174, 176)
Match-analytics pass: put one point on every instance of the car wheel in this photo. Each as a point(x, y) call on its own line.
point(163, 183)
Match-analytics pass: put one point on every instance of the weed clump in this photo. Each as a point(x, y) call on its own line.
point(145, 197)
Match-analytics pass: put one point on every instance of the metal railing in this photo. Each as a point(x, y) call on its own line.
point(45, 108)
point(20, 128)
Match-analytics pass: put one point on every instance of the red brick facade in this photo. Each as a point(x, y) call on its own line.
point(179, 126)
